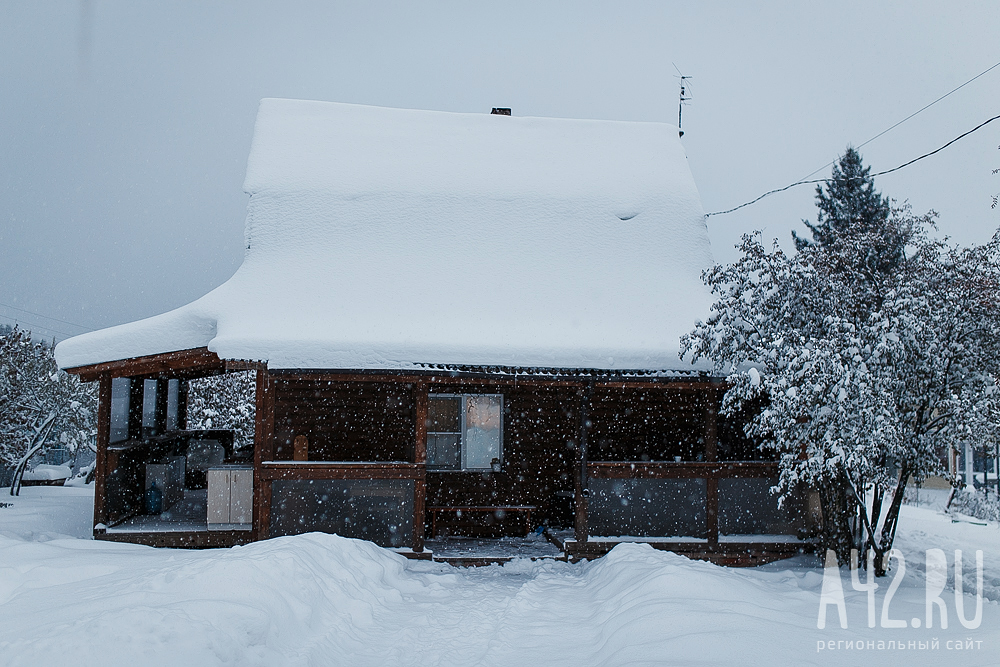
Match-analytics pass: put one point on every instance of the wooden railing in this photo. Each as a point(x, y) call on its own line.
point(271, 471)
point(711, 472)
point(679, 470)
point(125, 462)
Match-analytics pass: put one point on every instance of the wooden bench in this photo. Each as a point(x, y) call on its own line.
point(498, 511)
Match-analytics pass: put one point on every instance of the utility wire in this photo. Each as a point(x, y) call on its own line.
point(32, 328)
point(46, 317)
point(881, 173)
point(921, 110)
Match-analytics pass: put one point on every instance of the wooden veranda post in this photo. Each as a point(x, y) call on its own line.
point(263, 450)
point(711, 456)
point(581, 492)
point(420, 458)
point(103, 437)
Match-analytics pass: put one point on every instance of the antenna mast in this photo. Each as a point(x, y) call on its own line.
point(683, 98)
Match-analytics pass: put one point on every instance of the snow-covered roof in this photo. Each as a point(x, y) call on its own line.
point(388, 238)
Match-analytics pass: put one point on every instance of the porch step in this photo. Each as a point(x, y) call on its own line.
point(471, 552)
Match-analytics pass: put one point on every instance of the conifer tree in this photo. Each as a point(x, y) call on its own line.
point(850, 205)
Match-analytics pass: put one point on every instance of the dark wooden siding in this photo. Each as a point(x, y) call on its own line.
point(655, 424)
point(345, 421)
point(541, 426)
point(361, 420)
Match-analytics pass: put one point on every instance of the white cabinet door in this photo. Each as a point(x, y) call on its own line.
point(219, 496)
point(230, 498)
point(241, 496)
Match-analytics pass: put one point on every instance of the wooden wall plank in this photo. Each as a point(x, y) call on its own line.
point(345, 421)
point(711, 408)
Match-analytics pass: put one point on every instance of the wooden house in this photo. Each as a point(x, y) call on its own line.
point(461, 324)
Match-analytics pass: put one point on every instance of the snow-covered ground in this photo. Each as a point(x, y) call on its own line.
point(323, 600)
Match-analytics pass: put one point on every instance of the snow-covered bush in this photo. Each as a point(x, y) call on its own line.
point(976, 503)
point(40, 406)
point(866, 375)
point(224, 402)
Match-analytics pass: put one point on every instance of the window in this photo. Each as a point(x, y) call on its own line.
point(464, 432)
point(120, 394)
point(173, 404)
point(149, 405)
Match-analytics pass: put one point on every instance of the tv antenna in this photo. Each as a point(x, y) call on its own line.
point(684, 97)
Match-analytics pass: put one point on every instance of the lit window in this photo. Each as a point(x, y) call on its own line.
point(464, 432)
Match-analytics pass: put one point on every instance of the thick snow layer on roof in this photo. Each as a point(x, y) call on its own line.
point(390, 238)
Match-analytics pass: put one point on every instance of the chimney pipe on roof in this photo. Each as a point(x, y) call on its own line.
point(500, 111)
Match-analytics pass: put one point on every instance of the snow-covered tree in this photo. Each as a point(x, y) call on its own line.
point(849, 203)
point(224, 402)
point(865, 379)
point(40, 406)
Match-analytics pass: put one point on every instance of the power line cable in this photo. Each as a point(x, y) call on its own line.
point(921, 110)
point(46, 317)
point(43, 328)
point(881, 173)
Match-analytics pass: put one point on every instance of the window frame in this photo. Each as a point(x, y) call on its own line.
point(463, 429)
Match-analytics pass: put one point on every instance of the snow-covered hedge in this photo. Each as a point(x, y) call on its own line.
point(976, 503)
point(224, 402)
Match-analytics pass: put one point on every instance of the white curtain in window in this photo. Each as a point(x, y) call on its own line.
point(482, 430)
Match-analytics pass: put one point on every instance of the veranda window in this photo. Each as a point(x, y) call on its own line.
point(464, 432)
point(120, 398)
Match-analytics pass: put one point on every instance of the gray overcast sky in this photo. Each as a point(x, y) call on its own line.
point(125, 126)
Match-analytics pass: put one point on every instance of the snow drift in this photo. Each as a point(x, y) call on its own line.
point(319, 599)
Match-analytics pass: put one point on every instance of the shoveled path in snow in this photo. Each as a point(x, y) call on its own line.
point(324, 600)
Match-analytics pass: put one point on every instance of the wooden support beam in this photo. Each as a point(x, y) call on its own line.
point(199, 539)
point(439, 378)
point(682, 470)
point(657, 383)
point(263, 450)
point(103, 437)
point(420, 458)
point(581, 490)
point(290, 470)
point(490, 380)
point(711, 456)
point(183, 363)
